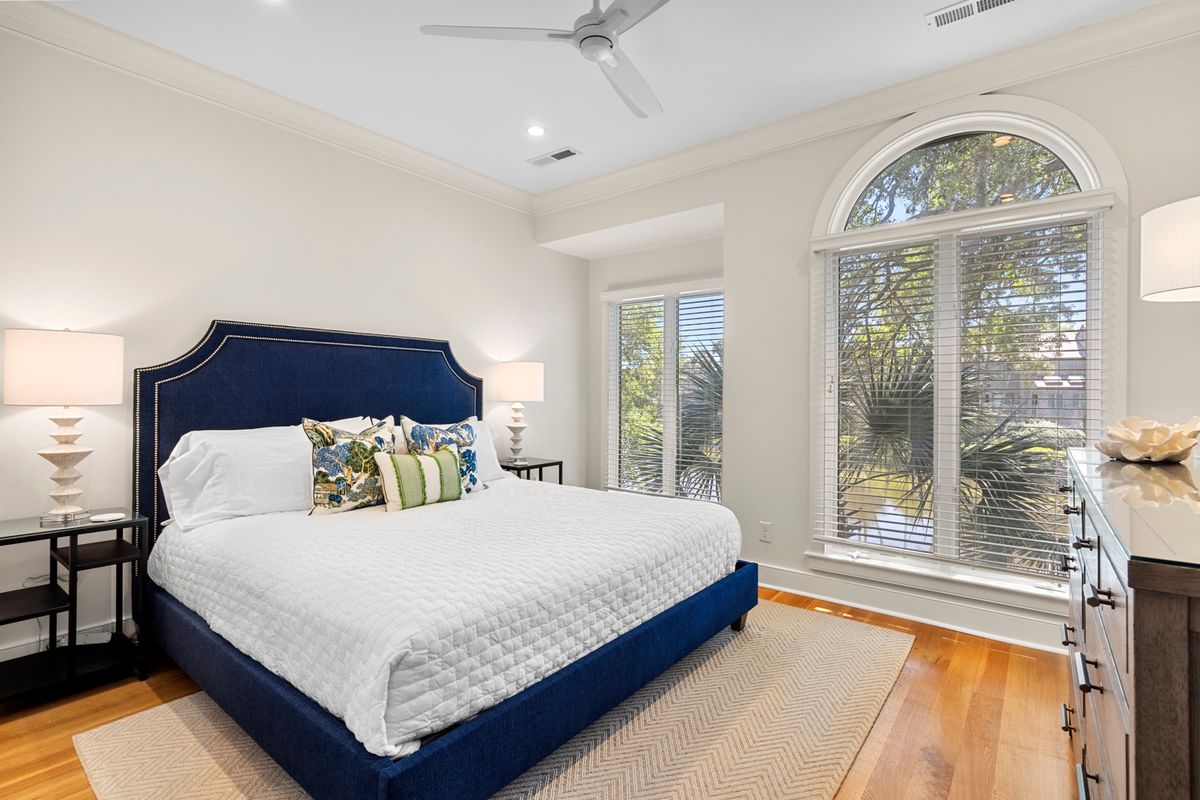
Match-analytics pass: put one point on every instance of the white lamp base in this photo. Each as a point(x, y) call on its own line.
point(517, 426)
point(64, 456)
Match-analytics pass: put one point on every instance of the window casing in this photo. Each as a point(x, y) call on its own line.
point(958, 358)
point(665, 365)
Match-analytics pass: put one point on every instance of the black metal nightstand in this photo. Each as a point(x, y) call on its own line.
point(525, 468)
point(57, 667)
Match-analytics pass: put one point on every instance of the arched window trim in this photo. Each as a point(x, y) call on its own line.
point(1039, 131)
point(1102, 186)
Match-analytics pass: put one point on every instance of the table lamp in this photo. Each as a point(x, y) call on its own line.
point(63, 368)
point(1171, 252)
point(519, 382)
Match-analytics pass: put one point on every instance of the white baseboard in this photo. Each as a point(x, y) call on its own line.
point(92, 634)
point(1011, 626)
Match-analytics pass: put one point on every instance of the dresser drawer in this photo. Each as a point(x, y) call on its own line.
point(1090, 771)
point(1095, 674)
point(1071, 715)
point(1084, 540)
point(1080, 575)
point(1110, 600)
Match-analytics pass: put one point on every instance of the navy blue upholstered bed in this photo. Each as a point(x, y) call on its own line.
point(244, 375)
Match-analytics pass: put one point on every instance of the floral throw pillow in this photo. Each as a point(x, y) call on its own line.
point(345, 475)
point(428, 439)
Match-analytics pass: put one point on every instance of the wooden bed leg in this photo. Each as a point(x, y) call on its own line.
point(739, 623)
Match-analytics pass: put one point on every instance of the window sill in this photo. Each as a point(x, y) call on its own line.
point(1043, 595)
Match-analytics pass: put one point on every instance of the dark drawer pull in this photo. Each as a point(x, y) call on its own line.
point(1064, 717)
point(1081, 675)
point(1082, 776)
point(1095, 597)
point(1066, 562)
point(1067, 630)
point(1069, 510)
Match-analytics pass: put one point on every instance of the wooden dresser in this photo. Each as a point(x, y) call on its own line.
point(1133, 634)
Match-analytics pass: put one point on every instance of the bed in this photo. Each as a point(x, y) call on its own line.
point(343, 738)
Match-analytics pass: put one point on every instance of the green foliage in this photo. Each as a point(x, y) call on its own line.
point(698, 450)
point(701, 391)
point(961, 172)
point(640, 388)
point(1008, 466)
point(700, 374)
point(1021, 297)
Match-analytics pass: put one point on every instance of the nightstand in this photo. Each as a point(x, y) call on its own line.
point(56, 667)
point(525, 469)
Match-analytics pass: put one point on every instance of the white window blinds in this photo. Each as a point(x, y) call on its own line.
point(956, 372)
point(665, 378)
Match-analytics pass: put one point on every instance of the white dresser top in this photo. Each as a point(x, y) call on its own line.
point(1154, 509)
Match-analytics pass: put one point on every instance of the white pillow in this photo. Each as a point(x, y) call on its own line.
point(487, 463)
point(215, 475)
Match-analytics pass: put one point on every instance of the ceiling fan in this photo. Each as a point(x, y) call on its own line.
point(596, 36)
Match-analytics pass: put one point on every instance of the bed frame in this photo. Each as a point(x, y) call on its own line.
point(244, 375)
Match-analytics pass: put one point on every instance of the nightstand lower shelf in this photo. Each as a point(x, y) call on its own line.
point(34, 601)
point(51, 669)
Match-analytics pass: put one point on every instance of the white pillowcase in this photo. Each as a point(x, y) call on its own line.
point(215, 475)
point(487, 463)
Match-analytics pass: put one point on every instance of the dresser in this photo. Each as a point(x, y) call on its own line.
point(1133, 631)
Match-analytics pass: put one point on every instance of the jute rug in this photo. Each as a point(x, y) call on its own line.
point(776, 711)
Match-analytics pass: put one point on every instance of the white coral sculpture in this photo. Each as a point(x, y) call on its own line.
point(1137, 439)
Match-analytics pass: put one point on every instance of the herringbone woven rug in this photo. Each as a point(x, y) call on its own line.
point(776, 711)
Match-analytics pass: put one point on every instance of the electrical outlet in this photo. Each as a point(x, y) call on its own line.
point(764, 531)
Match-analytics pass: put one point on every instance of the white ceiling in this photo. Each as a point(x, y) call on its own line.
point(718, 66)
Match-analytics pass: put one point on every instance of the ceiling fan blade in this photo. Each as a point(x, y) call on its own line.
point(509, 34)
point(634, 11)
point(630, 84)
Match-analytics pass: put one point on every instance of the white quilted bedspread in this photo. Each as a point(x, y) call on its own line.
point(404, 623)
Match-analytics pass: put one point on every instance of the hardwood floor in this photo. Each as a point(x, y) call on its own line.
point(968, 718)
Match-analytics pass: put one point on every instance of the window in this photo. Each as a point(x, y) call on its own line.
point(665, 377)
point(960, 172)
point(960, 359)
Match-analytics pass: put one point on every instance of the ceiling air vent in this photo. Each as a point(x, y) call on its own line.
point(556, 156)
point(960, 11)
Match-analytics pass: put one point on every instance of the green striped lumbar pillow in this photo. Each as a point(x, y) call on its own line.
point(411, 480)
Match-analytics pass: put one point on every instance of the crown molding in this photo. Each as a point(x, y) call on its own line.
point(1145, 28)
point(1159, 24)
point(70, 32)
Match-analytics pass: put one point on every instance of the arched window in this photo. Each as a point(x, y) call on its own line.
point(960, 172)
point(961, 291)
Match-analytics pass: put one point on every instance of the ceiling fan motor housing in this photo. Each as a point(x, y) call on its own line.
point(596, 48)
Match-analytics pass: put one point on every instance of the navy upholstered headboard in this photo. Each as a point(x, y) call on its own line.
point(247, 375)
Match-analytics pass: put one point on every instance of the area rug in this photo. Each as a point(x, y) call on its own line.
point(776, 711)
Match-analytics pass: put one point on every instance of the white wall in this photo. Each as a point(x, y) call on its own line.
point(1144, 103)
point(130, 208)
point(680, 262)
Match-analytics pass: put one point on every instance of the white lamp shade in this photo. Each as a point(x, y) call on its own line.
point(63, 368)
point(520, 381)
point(1171, 252)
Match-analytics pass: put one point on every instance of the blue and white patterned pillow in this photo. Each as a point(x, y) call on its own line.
point(345, 476)
point(428, 439)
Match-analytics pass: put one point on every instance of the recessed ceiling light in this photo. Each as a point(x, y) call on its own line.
point(536, 130)
point(1002, 140)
